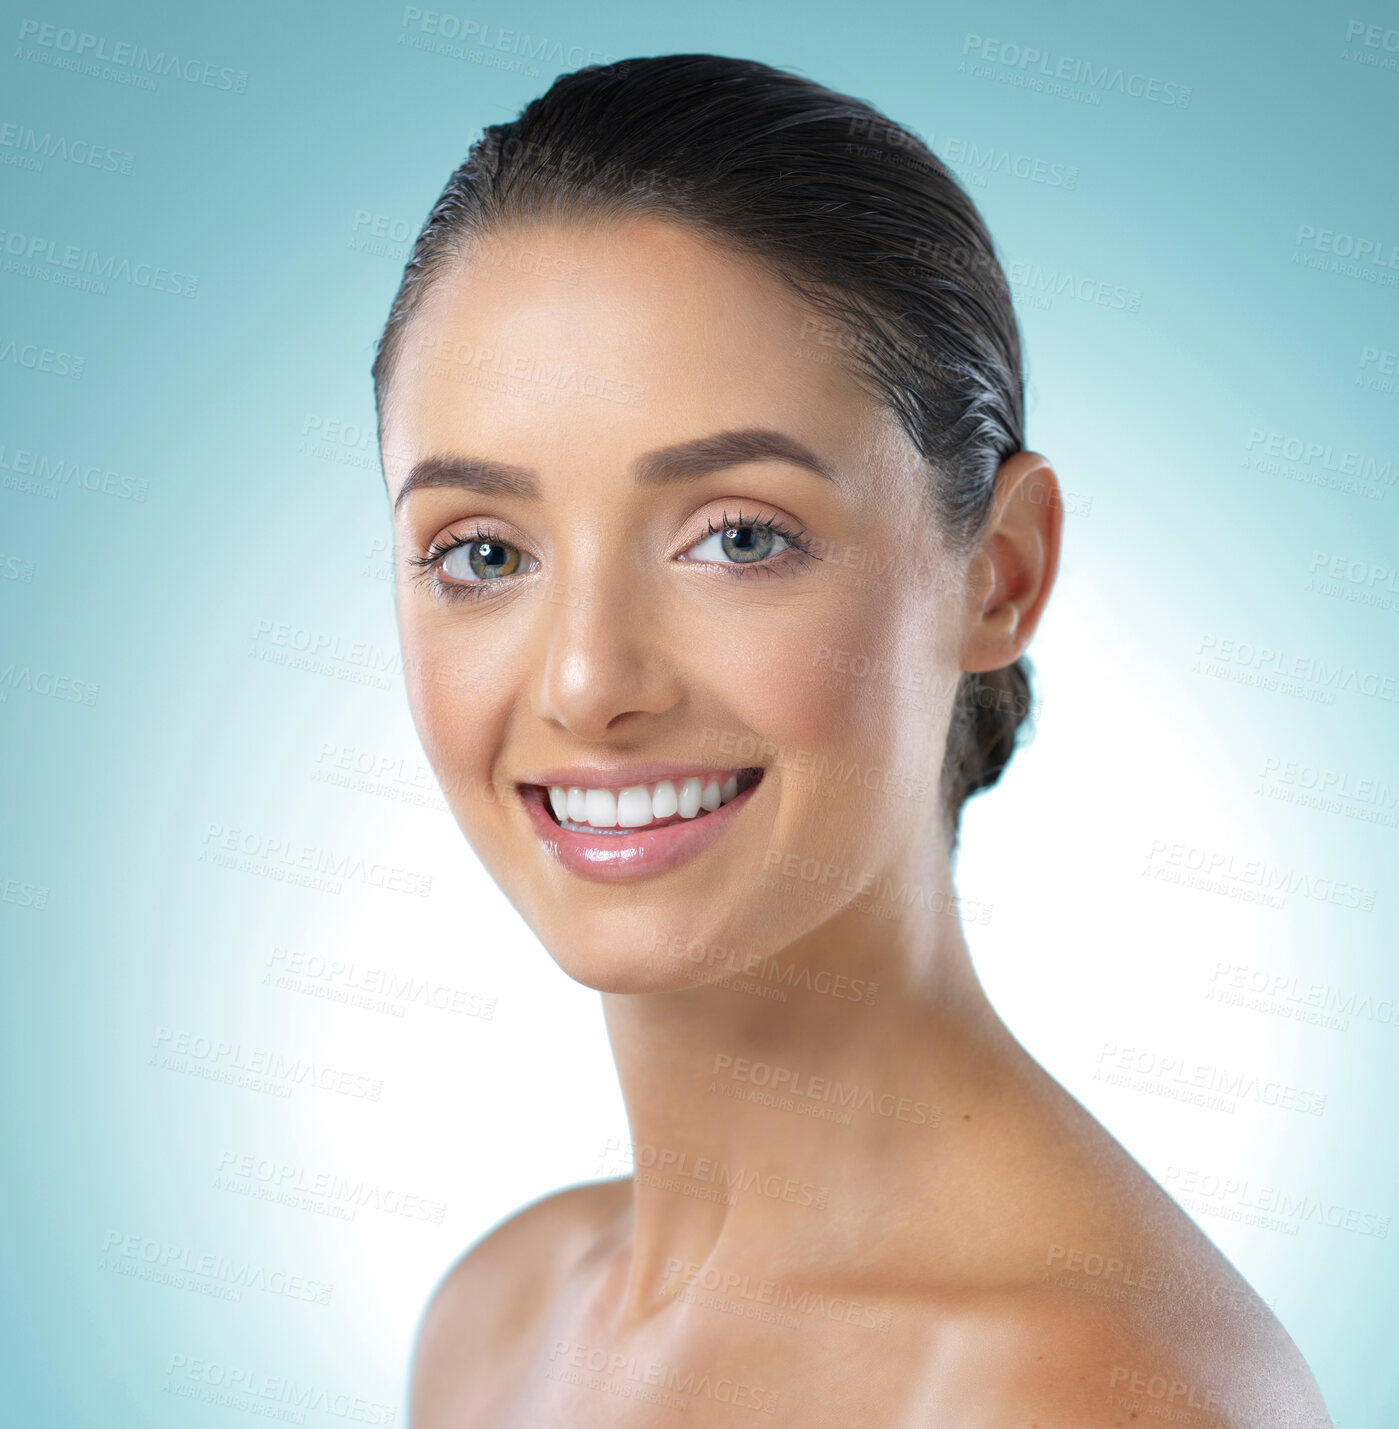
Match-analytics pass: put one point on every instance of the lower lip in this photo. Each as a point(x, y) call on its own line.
point(617, 858)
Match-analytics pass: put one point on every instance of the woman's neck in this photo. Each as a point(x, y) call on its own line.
point(783, 1120)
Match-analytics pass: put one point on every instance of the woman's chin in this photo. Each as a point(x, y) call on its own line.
point(630, 965)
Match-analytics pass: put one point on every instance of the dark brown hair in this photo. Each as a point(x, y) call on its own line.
point(851, 210)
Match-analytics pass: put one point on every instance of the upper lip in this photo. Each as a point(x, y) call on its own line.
point(626, 776)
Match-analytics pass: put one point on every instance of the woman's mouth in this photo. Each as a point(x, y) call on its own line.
point(631, 832)
point(646, 806)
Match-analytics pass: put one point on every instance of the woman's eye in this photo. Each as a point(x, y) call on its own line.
point(483, 561)
point(741, 544)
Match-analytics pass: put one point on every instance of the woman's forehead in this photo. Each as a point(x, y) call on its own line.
point(655, 337)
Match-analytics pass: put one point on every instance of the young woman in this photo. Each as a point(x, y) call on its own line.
point(719, 551)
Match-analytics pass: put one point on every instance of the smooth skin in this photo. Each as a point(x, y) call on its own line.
point(966, 1246)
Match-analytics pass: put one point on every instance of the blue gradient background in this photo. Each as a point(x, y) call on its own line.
point(260, 512)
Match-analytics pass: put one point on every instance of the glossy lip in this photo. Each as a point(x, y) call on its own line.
point(618, 858)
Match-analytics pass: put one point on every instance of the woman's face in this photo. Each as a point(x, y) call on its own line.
point(646, 581)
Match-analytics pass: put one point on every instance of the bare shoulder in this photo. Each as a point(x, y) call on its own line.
point(1065, 1364)
point(1107, 1305)
point(485, 1305)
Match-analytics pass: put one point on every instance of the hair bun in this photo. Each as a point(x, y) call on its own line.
point(989, 710)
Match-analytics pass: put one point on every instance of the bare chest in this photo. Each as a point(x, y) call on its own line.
point(728, 1360)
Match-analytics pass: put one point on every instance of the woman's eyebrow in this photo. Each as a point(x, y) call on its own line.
point(684, 461)
point(688, 461)
point(466, 473)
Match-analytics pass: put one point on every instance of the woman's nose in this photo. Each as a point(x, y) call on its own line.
point(604, 656)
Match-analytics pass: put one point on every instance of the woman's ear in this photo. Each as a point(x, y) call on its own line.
point(1012, 571)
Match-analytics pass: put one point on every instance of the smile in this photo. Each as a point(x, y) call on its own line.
point(644, 806)
point(639, 829)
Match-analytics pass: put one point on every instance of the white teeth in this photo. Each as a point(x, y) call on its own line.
point(634, 807)
point(639, 805)
point(601, 808)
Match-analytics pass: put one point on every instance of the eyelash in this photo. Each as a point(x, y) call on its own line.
point(439, 550)
point(798, 547)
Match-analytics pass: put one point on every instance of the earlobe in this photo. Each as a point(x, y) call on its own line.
point(1013, 569)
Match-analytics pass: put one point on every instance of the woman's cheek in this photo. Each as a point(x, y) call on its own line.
point(456, 709)
point(862, 699)
point(793, 701)
point(833, 685)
